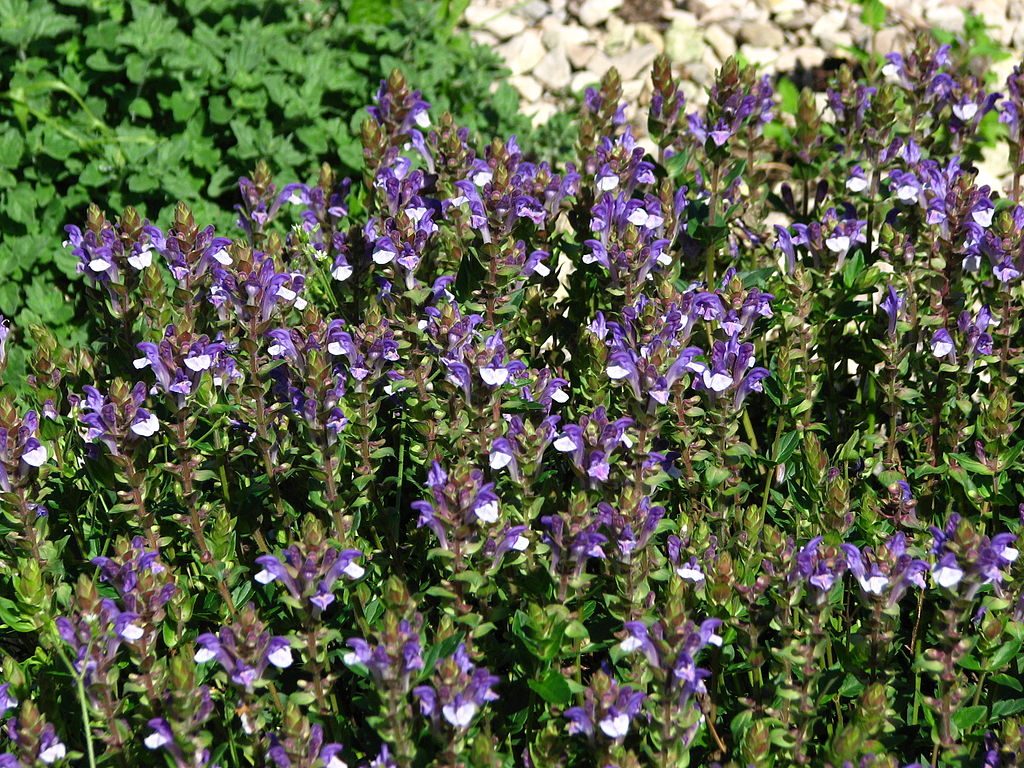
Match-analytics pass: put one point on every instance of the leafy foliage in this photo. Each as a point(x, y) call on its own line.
point(155, 102)
point(708, 456)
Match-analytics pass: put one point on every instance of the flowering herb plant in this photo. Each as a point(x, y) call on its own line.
point(700, 450)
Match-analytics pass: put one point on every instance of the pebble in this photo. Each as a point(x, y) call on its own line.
point(762, 34)
point(635, 62)
point(583, 80)
point(557, 47)
point(523, 52)
point(555, 34)
point(758, 56)
point(684, 41)
point(595, 12)
point(528, 87)
point(553, 71)
point(502, 24)
point(721, 42)
point(945, 17)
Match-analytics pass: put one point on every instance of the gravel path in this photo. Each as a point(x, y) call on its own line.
point(558, 47)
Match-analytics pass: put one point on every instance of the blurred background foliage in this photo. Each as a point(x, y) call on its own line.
point(147, 103)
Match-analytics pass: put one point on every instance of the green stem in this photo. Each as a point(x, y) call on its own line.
point(83, 704)
point(709, 266)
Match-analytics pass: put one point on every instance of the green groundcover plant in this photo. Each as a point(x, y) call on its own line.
point(155, 102)
point(704, 456)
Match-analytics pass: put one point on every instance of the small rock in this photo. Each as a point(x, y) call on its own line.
point(648, 33)
point(619, 36)
point(501, 24)
point(553, 71)
point(528, 87)
point(717, 14)
point(631, 90)
point(888, 40)
point(599, 63)
point(758, 56)
point(946, 17)
point(721, 42)
point(634, 62)
point(523, 52)
point(837, 41)
point(828, 26)
point(580, 55)
point(540, 112)
point(483, 37)
point(779, 7)
point(583, 80)
point(994, 167)
point(595, 12)
point(694, 93)
point(534, 11)
point(805, 57)
point(684, 41)
point(648, 145)
point(554, 34)
point(711, 61)
point(809, 56)
point(762, 34)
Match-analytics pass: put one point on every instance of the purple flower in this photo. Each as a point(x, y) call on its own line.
point(887, 571)
point(892, 305)
point(311, 569)
point(819, 565)
point(244, 650)
point(395, 658)
point(608, 710)
point(457, 692)
point(7, 700)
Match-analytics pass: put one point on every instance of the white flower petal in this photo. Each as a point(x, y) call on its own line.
point(198, 362)
point(147, 427)
point(460, 716)
point(36, 457)
point(947, 576)
point(631, 644)
point(281, 658)
point(494, 377)
point(53, 753)
point(718, 382)
point(155, 740)
point(500, 460)
point(354, 570)
point(141, 260)
point(565, 444)
point(487, 512)
point(615, 727)
point(690, 573)
point(616, 372)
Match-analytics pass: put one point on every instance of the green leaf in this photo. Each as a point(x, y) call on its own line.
point(789, 96)
point(1005, 708)
point(553, 688)
point(11, 148)
point(786, 446)
point(873, 14)
point(968, 717)
point(369, 12)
